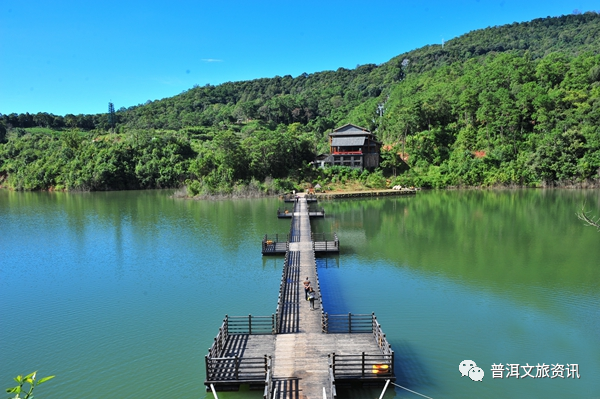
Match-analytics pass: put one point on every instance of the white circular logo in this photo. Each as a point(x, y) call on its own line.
point(470, 369)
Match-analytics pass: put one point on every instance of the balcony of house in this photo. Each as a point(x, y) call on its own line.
point(352, 160)
point(345, 151)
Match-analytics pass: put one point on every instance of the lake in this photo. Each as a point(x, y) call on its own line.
point(120, 294)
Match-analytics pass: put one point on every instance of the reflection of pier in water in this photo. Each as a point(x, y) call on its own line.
point(297, 352)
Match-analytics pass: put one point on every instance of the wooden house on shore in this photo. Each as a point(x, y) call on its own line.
point(352, 146)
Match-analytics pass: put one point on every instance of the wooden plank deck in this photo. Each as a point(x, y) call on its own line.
point(288, 213)
point(316, 214)
point(320, 247)
point(371, 193)
point(327, 247)
point(310, 198)
point(274, 248)
point(250, 350)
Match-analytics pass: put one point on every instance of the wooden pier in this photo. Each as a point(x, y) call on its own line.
point(293, 198)
point(289, 213)
point(275, 244)
point(371, 193)
point(279, 244)
point(298, 352)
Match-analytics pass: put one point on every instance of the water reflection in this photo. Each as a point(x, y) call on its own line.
point(494, 239)
point(135, 284)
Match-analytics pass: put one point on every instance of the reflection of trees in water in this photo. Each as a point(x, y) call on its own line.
point(500, 239)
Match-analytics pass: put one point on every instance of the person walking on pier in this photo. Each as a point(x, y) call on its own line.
point(311, 298)
point(306, 288)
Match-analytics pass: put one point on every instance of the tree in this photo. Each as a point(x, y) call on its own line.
point(111, 115)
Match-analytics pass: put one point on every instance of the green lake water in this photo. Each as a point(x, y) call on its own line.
point(120, 294)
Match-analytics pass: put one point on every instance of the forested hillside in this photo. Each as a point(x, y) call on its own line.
point(511, 105)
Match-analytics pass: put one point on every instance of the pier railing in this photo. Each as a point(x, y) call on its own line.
point(268, 392)
point(318, 285)
point(238, 369)
point(281, 296)
point(220, 341)
point(323, 242)
point(347, 323)
point(290, 198)
point(285, 212)
point(274, 242)
point(220, 368)
point(356, 323)
point(277, 237)
point(324, 237)
point(332, 388)
point(251, 325)
point(241, 325)
point(314, 211)
point(294, 198)
point(291, 236)
point(361, 366)
point(380, 338)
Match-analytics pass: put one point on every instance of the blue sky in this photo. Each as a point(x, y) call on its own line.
point(75, 56)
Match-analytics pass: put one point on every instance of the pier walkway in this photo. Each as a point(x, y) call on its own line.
point(298, 352)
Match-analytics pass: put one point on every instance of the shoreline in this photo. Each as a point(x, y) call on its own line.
point(180, 192)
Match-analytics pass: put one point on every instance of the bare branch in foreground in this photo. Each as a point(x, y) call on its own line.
point(583, 215)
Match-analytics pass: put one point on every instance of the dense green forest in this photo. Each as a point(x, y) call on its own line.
point(512, 105)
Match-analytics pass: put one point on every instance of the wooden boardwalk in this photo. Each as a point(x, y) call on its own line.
point(279, 244)
point(298, 352)
point(293, 198)
point(289, 213)
point(370, 193)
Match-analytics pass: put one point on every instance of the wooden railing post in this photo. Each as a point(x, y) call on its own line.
point(363, 364)
point(333, 362)
point(373, 324)
point(350, 323)
point(250, 324)
point(208, 371)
